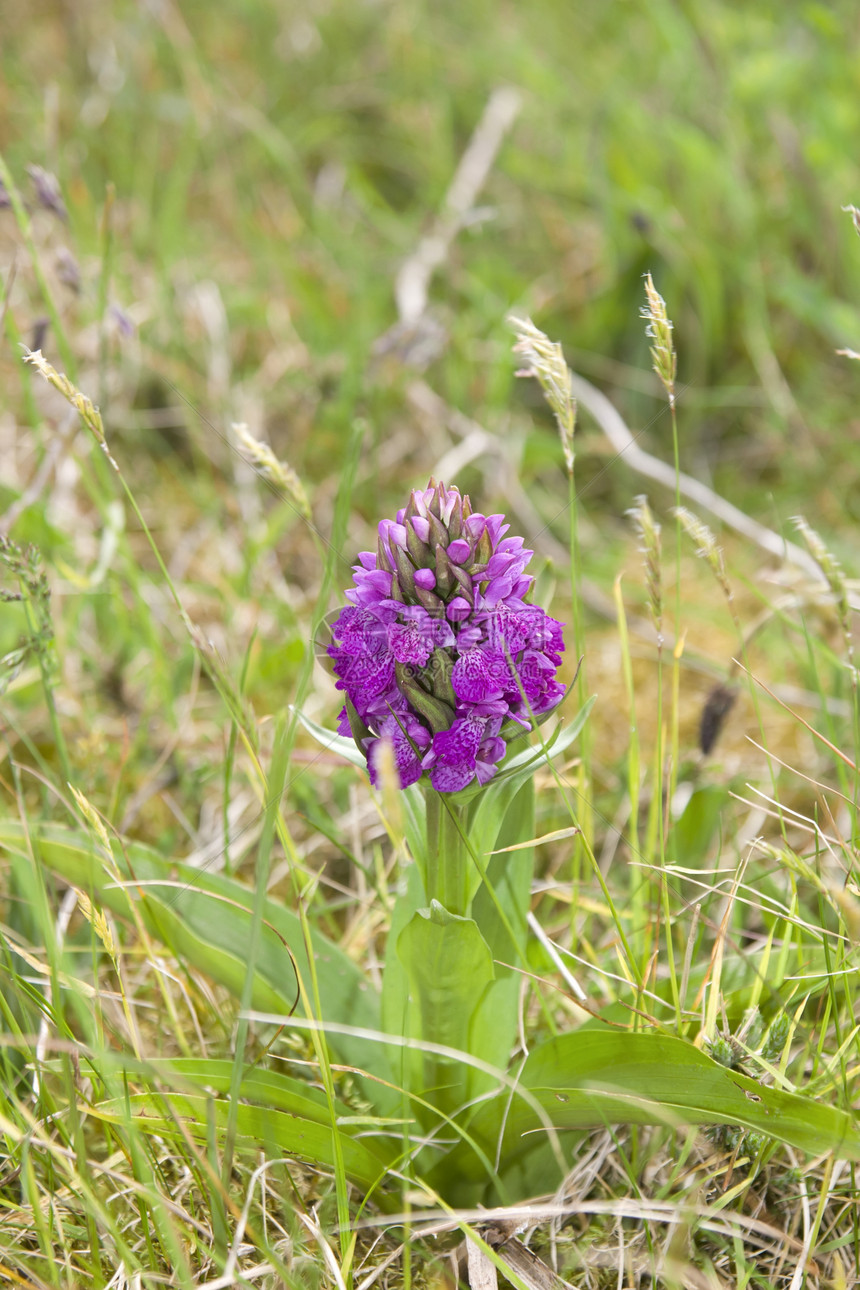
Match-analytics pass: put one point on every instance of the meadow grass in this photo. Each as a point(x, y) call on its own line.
point(240, 185)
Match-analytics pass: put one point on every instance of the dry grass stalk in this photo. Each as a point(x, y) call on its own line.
point(624, 444)
point(413, 279)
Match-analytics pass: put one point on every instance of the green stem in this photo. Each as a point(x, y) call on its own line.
point(446, 877)
point(583, 787)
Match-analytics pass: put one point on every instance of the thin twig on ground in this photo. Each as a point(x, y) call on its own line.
point(413, 279)
point(623, 441)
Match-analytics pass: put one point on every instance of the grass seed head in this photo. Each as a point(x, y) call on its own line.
point(855, 216)
point(659, 330)
point(707, 547)
point(99, 923)
point(262, 458)
point(85, 407)
point(832, 570)
point(775, 1039)
point(92, 817)
point(24, 564)
point(726, 1050)
point(648, 532)
point(546, 363)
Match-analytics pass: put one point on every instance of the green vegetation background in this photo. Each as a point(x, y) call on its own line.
point(293, 154)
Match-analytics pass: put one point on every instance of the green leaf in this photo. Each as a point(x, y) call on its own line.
point(333, 742)
point(287, 1133)
point(493, 1027)
point(510, 878)
point(695, 828)
point(270, 1088)
point(194, 1075)
point(449, 966)
point(488, 804)
point(490, 813)
point(205, 919)
point(590, 1078)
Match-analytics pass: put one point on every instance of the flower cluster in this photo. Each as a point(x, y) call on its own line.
point(438, 651)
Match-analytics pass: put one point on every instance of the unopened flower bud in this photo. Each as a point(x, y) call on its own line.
point(437, 714)
point(405, 571)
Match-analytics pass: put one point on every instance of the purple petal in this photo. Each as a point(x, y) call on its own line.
point(459, 552)
point(537, 678)
point(498, 589)
point(453, 756)
point(422, 499)
point(409, 644)
point(451, 778)
point(402, 735)
point(492, 750)
point(458, 610)
point(471, 633)
point(496, 527)
point(512, 544)
point(478, 675)
point(447, 508)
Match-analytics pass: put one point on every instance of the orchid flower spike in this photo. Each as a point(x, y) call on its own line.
point(439, 651)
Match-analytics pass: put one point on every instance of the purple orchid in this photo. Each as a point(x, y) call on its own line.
point(438, 651)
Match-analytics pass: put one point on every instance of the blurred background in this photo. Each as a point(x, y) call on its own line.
point(222, 201)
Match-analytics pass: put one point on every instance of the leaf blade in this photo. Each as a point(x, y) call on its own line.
point(205, 918)
point(591, 1078)
point(303, 1139)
